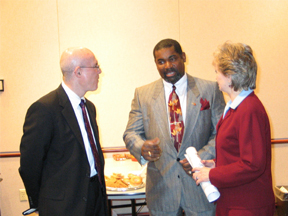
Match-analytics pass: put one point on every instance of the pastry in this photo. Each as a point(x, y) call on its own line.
point(135, 180)
point(117, 180)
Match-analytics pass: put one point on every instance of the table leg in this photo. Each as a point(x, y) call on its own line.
point(110, 207)
point(133, 207)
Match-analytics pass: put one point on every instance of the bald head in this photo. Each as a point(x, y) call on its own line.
point(80, 70)
point(73, 57)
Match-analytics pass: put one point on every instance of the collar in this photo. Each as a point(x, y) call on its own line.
point(237, 101)
point(181, 85)
point(75, 100)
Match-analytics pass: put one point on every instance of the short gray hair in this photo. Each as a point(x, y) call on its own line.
point(237, 60)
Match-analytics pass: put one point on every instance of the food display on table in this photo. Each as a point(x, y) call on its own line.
point(119, 182)
point(120, 157)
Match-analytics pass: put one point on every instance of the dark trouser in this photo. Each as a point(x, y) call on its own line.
point(96, 200)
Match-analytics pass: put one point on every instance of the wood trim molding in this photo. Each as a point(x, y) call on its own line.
point(9, 154)
point(123, 149)
point(279, 141)
point(105, 150)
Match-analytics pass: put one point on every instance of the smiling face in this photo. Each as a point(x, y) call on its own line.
point(170, 64)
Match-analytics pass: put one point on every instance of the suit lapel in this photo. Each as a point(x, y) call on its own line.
point(227, 115)
point(69, 114)
point(95, 129)
point(160, 112)
point(71, 119)
point(192, 108)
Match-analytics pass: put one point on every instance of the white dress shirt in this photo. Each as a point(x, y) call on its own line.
point(75, 101)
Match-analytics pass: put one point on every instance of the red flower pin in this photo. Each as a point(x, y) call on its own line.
point(205, 104)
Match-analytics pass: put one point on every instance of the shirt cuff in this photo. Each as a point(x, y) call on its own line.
point(29, 211)
point(142, 160)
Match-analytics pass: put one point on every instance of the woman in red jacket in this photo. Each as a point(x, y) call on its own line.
point(242, 168)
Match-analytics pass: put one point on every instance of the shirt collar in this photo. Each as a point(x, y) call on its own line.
point(237, 101)
point(75, 100)
point(181, 85)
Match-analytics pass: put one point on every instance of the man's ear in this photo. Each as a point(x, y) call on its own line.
point(77, 71)
point(183, 56)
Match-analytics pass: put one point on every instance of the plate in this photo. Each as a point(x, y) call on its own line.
point(129, 188)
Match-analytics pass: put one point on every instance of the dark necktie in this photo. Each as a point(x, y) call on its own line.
point(91, 141)
point(176, 119)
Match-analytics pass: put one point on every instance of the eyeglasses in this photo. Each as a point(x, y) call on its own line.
point(97, 67)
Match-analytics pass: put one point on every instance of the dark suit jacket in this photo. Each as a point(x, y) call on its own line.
point(53, 165)
point(243, 159)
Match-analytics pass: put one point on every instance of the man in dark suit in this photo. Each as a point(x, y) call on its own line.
point(60, 173)
point(170, 188)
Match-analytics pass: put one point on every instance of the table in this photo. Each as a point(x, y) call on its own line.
point(128, 195)
point(124, 167)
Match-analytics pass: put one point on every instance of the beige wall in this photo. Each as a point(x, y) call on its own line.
point(122, 34)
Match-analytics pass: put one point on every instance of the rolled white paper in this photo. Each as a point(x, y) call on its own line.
point(210, 190)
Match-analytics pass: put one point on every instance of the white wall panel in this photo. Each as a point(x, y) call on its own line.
point(122, 34)
point(28, 62)
point(205, 24)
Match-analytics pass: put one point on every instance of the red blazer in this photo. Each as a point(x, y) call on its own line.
point(243, 159)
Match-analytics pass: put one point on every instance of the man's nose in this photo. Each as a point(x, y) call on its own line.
point(168, 65)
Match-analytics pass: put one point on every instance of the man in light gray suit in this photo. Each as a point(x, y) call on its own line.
point(170, 188)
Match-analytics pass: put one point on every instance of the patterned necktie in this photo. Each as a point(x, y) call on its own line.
point(91, 141)
point(176, 119)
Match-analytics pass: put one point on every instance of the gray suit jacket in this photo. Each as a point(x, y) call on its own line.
point(148, 119)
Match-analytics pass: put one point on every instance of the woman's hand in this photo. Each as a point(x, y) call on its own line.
point(202, 174)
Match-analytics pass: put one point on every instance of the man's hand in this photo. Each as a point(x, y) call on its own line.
point(208, 163)
point(151, 150)
point(186, 166)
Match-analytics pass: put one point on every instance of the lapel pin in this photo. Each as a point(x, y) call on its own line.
point(194, 104)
